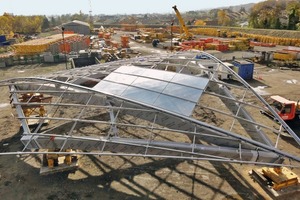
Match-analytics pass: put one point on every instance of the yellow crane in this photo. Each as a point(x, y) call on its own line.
point(186, 35)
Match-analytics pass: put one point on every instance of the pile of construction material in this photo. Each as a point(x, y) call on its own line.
point(233, 33)
point(237, 44)
point(107, 39)
point(262, 44)
point(287, 54)
point(54, 44)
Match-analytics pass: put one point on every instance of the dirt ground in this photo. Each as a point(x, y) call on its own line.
point(130, 177)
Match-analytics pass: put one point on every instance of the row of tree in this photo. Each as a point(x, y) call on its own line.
point(268, 14)
point(34, 24)
point(276, 14)
point(21, 24)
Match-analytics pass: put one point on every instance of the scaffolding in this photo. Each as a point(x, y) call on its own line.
point(166, 106)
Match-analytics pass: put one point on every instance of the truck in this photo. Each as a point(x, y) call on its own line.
point(288, 110)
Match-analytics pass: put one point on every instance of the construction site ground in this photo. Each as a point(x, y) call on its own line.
point(133, 177)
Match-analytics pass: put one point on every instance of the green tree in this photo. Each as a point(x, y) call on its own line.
point(46, 24)
point(267, 14)
point(6, 22)
point(213, 14)
point(223, 18)
point(242, 9)
point(293, 14)
point(53, 21)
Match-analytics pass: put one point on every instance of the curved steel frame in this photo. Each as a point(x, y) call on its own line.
point(102, 123)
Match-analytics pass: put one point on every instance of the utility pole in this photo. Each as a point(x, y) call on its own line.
point(91, 16)
point(65, 52)
point(172, 23)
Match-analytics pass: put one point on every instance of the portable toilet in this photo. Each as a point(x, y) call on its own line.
point(244, 69)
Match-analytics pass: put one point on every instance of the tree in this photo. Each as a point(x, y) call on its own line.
point(81, 17)
point(53, 22)
point(46, 23)
point(213, 14)
point(293, 15)
point(223, 18)
point(277, 24)
point(268, 14)
point(5, 25)
point(242, 9)
point(6, 22)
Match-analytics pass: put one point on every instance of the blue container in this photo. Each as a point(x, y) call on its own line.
point(7, 43)
point(244, 69)
point(2, 38)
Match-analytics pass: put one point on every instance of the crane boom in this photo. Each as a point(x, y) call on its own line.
point(187, 35)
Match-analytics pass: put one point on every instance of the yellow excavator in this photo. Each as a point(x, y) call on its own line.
point(186, 35)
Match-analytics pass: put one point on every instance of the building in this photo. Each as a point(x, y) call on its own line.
point(77, 27)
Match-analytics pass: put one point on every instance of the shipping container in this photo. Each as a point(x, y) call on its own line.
point(6, 43)
point(2, 38)
point(244, 69)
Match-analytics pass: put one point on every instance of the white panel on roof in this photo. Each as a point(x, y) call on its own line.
point(158, 74)
point(168, 91)
point(174, 105)
point(183, 92)
point(141, 95)
point(150, 84)
point(110, 88)
point(130, 70)
point(123, 79)
point(191, 81)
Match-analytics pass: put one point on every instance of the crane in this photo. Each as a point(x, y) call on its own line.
point(186, 35)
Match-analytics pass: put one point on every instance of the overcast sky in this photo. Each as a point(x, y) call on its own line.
point(53, 7)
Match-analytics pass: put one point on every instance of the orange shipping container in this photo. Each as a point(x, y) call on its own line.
point(68, 32)
point(65, 48)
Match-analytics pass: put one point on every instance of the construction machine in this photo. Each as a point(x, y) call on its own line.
point(186, 35)
point(286, 109)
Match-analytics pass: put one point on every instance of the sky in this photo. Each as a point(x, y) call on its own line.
point(59, 7)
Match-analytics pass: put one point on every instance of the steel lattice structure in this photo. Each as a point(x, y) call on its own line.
point(169, 106)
